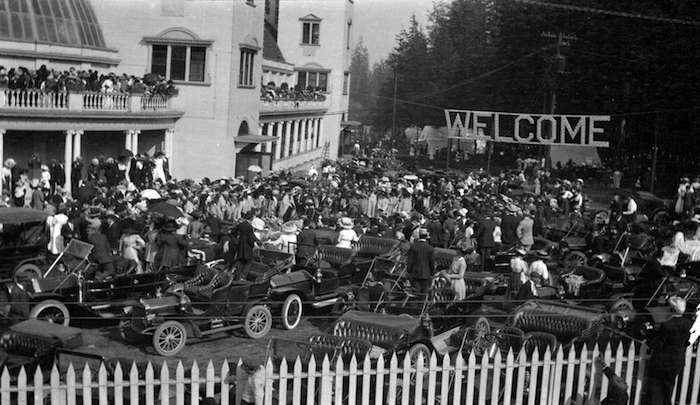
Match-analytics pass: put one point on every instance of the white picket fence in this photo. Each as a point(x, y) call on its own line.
point(563, 377)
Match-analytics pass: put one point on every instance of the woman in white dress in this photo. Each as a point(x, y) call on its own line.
point(456, 272)
point(347, 235)
point(131, 245)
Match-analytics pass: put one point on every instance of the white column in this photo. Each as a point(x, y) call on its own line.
point(77, 143)
point(312, 134)
point(67, 160)
point(168, 140)
point(269, 131)
point(288, 137)
point(2, 153)
point(319, 135)
point(305, 136)
point(135, 140)
point(278, 146)
point(295, 135)
point(127, 139)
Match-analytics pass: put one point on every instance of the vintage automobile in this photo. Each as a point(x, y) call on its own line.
point(66, 288)
point(211, 303)
point(22, 239)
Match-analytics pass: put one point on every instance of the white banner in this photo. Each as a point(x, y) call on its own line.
point(531, 129)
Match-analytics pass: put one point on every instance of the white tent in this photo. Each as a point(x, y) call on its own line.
point(580, 155)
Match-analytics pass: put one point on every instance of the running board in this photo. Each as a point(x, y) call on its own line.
point(325, 303)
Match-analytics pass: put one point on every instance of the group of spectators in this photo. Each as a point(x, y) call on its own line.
point(272, 92)
point(73, 80)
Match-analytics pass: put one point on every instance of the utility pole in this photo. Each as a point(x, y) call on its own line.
point(557, 67)
point(657, 129)
point(393, 114)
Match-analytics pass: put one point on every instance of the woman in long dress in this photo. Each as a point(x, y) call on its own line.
point(131, 245)
point(456, 273)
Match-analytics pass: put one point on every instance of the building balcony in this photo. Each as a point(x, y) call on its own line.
point(50, 103)
point(293, 107)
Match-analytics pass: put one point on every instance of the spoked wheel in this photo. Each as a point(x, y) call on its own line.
point(51, 311)
point(414, 353)
point(27, 271)
point(622, 312)
point(169, 338)
point(258, 322)
point(575, 259)
point(482, 326)
point(291, 312)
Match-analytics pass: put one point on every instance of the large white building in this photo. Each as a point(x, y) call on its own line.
point(213, 52)
point(307, 44)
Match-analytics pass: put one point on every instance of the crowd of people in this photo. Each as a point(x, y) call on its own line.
point(272, 92)
point(74, 80)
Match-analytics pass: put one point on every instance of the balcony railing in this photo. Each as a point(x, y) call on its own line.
point(267, 106)
point(37, 100)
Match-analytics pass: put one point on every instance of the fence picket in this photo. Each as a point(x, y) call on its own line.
point(459, 366)
point(311, 381)
point(581, 381)
point(179, 384)
point(22, 387)
point(496, 382)
point(5, 386)
point(194, 383)
point(686, 376)
point(210, 380)
point(393, 372)
point(445, 383)
point(696, 376)
point(556, 380)
point(534, 368)
point(629, 374)
point(483, 379)
point(339, 375)
point(149, 384)
point(55, 381)
point(607, 356)
point(570, 372)
point(70, 385)
point(352, 383)
point(471, 366)
point(366, 370)
point(379, 389)
point(640, 375)
point(546, 368)
point(296, 383)
point(225, 400)
point(87, 385)
point(420, 367)
point(432, 365)
point(118, 385)
point(164, 385)
point(522, 369)
point(510, 366)
point(406, 380)
point(38, 386)
point(269, 378)
point(102, 385)
point(282, 387)
point(134, 384)
point(326, 382)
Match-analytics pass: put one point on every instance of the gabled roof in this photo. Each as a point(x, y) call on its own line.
point(310, 17)
point(271, 51)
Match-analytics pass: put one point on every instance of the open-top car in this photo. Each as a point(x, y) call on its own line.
point(211, 303)
point(22, 238)
point(67, 288)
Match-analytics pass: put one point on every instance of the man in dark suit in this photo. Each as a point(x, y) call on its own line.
point(509, 225)
point(246, 243)
point(421, 262)
point(306, 243)
point(101, 251)
point(668, 346)
point(484, 238)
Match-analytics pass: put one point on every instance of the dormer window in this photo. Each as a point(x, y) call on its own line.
point(179, 55)
point(310, 30)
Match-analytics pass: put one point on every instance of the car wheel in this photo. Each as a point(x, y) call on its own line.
point(414, 352)
point(622, 310)
point(661, 217)
point(482, 326)
point(291, 312)
point(51, 311)
point(258, 321)
point(169, 338)
point(28, 271)
point(574, 259)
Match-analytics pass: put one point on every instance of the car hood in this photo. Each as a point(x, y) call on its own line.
point(159, 304)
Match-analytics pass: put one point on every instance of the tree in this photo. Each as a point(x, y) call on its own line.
point(360, 99)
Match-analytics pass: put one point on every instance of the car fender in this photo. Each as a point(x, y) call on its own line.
point(280, 293)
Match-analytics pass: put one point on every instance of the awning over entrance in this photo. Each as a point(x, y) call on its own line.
point(350, 123)
point(254, 138)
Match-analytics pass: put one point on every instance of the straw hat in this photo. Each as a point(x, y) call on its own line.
point(346, 223)
point(289, 227)
point(258, 224)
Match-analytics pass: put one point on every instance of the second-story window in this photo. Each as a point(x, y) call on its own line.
point(247, 63)
point(179, 62)
point(310, 32)
point(313, 80)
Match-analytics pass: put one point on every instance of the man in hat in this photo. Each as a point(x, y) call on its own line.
point(420, 263)
point(484, 239)
point(435, 231)
point(668, 346)
point(306, 243)
point(509, 226)
point(101, 251)
point(246, 243)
